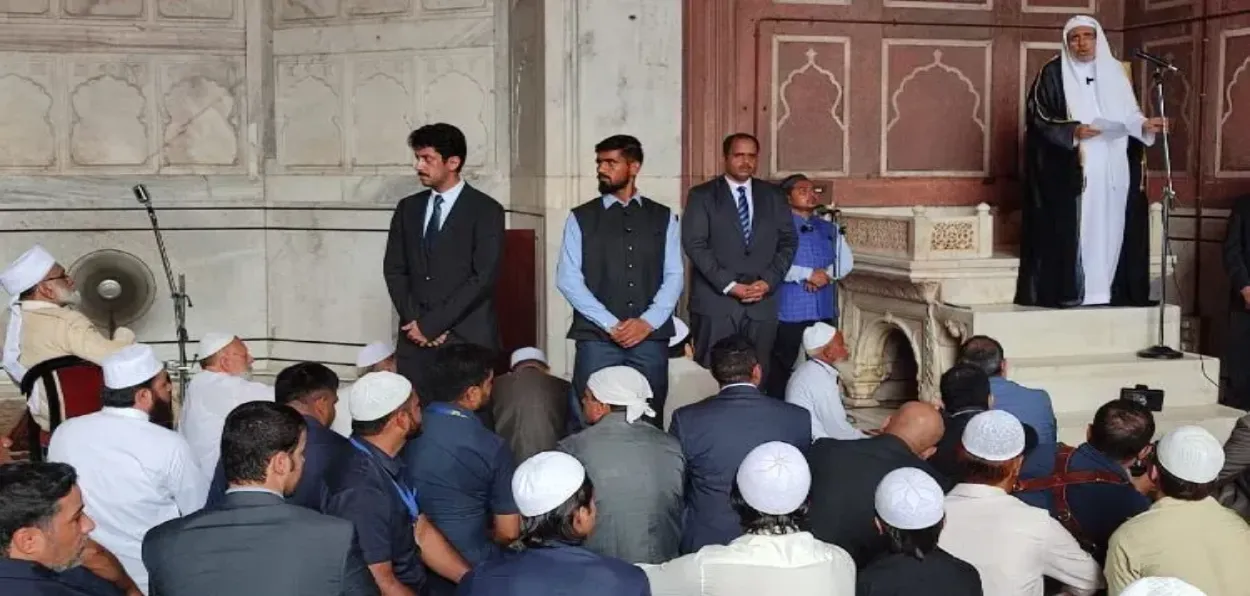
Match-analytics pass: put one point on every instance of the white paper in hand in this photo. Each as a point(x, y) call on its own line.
point(1109, 129)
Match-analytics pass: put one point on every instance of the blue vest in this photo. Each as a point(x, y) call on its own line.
point(815, 250)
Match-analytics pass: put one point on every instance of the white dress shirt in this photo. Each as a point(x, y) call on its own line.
point(449, 201)
point(342, 413)
point(814, 387)
point(1012, 544)
point(134, 476)
point(753, 565)
point(210, 397)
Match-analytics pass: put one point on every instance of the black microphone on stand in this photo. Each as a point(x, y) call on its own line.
point(1155, 60)
point(823, 210)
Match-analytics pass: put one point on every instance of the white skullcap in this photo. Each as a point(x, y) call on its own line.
point(374, 353)
point(130, 366)
point(27, 271)
point(1161, 586)
point(524, 354)
point(680, 331)
point(774, 478)
point(910, 499)
point(545, 481)
point(1191, 454)
point(213, 342)
point(623, 386)
point(818, 336)
point(994, 435)
point(377, 394)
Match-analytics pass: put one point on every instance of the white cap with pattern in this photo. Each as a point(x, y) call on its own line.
point(910, 499)
point(1161, 586)
point(817, 336)
point(374, 353)
point(994, 435)
point(1191, 454)
point(774, 478)
point(545, 481)
point(214, 342)
point(524, 354)
point(377, 394)
point(130, 366)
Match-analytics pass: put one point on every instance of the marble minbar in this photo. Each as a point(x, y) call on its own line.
point(926, 278)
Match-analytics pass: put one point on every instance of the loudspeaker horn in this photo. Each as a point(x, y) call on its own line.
point(116, 287)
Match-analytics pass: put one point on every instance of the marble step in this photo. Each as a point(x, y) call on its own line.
point(1027, 332)
point(1083, 383)
point(1217, 419)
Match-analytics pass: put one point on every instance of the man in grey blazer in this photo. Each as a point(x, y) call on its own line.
point(739, 236)
point(254, 542)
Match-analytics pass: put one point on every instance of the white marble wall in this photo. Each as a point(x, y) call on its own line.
point(271, 134)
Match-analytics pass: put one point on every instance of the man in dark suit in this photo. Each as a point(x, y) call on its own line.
point(442, 255)
point(256, 543)
point(717, 434)
point(739, 236)
point(1236, 364)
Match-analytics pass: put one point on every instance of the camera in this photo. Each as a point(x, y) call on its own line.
point(1151, 398)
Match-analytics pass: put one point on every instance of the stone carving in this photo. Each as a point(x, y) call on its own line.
point(381, 112)
point(103, 8)
point(816, 139)
point(310, 126)
point(201, 115)
point(953, 235)
point(109, 116)
point(25, 7)
point(879, 235)
point(197, 9)
point(1232, 160)
point(302, 10)
point(457, 87)
point(27, 135)
point(965, 128)
point(377, 7)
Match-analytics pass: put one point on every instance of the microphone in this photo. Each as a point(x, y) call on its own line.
point(823, 210)
point(1155, 60)
point(141, 193)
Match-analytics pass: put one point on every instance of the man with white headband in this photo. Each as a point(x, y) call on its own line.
point(1085, 235)
point(637, 467)
point(773, 555)
point(557, 500)
point(814, 384)
point(223, 383)
point(1186, 534)
point(134, 474)
point(43, 326)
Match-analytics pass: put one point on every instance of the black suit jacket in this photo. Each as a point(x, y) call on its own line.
point(451, 288)
point(712, 238)
point(255, 543)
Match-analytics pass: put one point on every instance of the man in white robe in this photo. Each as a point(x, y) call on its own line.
point(213, 392)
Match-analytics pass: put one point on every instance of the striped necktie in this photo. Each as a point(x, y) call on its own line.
point(744, 214)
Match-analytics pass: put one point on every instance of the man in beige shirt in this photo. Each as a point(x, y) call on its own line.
point(43, 325)
point(1186, 534)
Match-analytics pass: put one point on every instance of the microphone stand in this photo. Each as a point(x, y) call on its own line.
point(177, 291)
point(1161, 351)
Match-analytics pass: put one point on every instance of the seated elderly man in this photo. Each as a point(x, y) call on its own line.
point(637, 468)
point(910, 515)
point(775, 556)
point(530, 406)
point(814, 384)
point(43, 325)
point(222, 385)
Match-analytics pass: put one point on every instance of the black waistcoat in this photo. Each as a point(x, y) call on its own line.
point(622, 261)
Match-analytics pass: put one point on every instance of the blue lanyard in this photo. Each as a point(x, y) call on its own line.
point(446, 410)
point(407, 495)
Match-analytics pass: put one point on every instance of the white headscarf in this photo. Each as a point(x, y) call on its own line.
point(23, 274)
point(622, 386)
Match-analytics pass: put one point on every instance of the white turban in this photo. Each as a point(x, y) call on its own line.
point(623, 386)
point(23, 274)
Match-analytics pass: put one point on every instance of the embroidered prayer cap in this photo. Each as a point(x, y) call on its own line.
point(524, 354)
point(680, 331)
point(132, 365)
point(545, 481)
point(1161, 586)
point(623, 386)
point(374, 353)
point(214, 342)
point(995, 435)
point(818, 336)
point(377, 394)
point(910, 499)
point(1191, 454)
point(27, 271)
point(774, 478)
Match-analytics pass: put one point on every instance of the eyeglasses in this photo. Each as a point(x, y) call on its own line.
point(59, 277)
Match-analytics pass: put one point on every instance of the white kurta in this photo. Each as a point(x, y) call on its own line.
point(134, 476)
point(814, 387)
point(210, 398)
point(790, 564)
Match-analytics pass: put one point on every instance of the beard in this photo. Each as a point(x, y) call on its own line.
point(75, 560)
point(67, 297)
point(607, 187)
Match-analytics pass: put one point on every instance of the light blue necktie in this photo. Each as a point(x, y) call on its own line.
point(744, 214)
